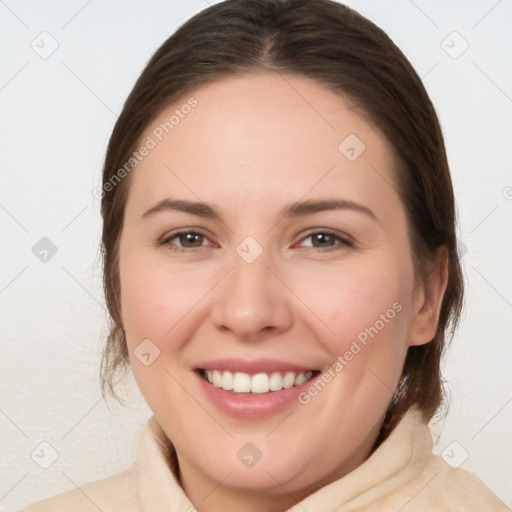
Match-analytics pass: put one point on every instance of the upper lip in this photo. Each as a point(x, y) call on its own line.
point(252, 367)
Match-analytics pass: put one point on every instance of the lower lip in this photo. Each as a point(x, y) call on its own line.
point(251, 406)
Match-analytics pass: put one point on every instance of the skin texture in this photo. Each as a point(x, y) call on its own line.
point(253, 145)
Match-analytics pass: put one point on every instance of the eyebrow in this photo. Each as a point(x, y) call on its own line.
point(193, 207)
point(292, 210)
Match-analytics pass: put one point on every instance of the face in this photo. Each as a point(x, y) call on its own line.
point(265, 251)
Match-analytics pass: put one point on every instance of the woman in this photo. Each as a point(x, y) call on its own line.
point(281, 268)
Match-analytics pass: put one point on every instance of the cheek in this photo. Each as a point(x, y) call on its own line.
point(367, 310)
point(157, 301)
point(361, 313)
point(156, 306)
point(352, 298)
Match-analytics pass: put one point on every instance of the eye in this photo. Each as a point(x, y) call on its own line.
point(326, 240)
point(185, 240)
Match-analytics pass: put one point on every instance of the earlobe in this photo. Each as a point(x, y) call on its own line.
point(428, 301)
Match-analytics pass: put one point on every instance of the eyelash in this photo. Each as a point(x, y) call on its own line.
point(343, 241)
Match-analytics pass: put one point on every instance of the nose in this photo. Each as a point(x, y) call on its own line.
point(250, 302)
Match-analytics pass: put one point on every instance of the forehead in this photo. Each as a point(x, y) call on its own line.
point(262, 135)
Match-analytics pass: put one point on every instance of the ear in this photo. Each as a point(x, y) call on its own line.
point(428, 299)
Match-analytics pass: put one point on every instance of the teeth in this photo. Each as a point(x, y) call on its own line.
point(289, 380)
point(240, 382)
point(217, 379)
point(227, 381)
point(300, 379)
point(276, 382)
point(260, 383)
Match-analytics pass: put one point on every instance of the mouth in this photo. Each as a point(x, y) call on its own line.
point(256, 384)
point(253, 389)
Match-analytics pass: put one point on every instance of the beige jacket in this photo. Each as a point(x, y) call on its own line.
point(401, 475)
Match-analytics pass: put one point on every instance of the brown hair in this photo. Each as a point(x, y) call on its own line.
point(343, 51)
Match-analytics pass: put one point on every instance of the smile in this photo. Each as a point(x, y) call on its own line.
point(259, 383)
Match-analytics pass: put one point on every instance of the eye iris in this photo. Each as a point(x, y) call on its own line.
point(323, 240)
point(191, 240)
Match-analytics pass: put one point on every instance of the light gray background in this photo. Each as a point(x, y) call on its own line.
point(56, 116)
